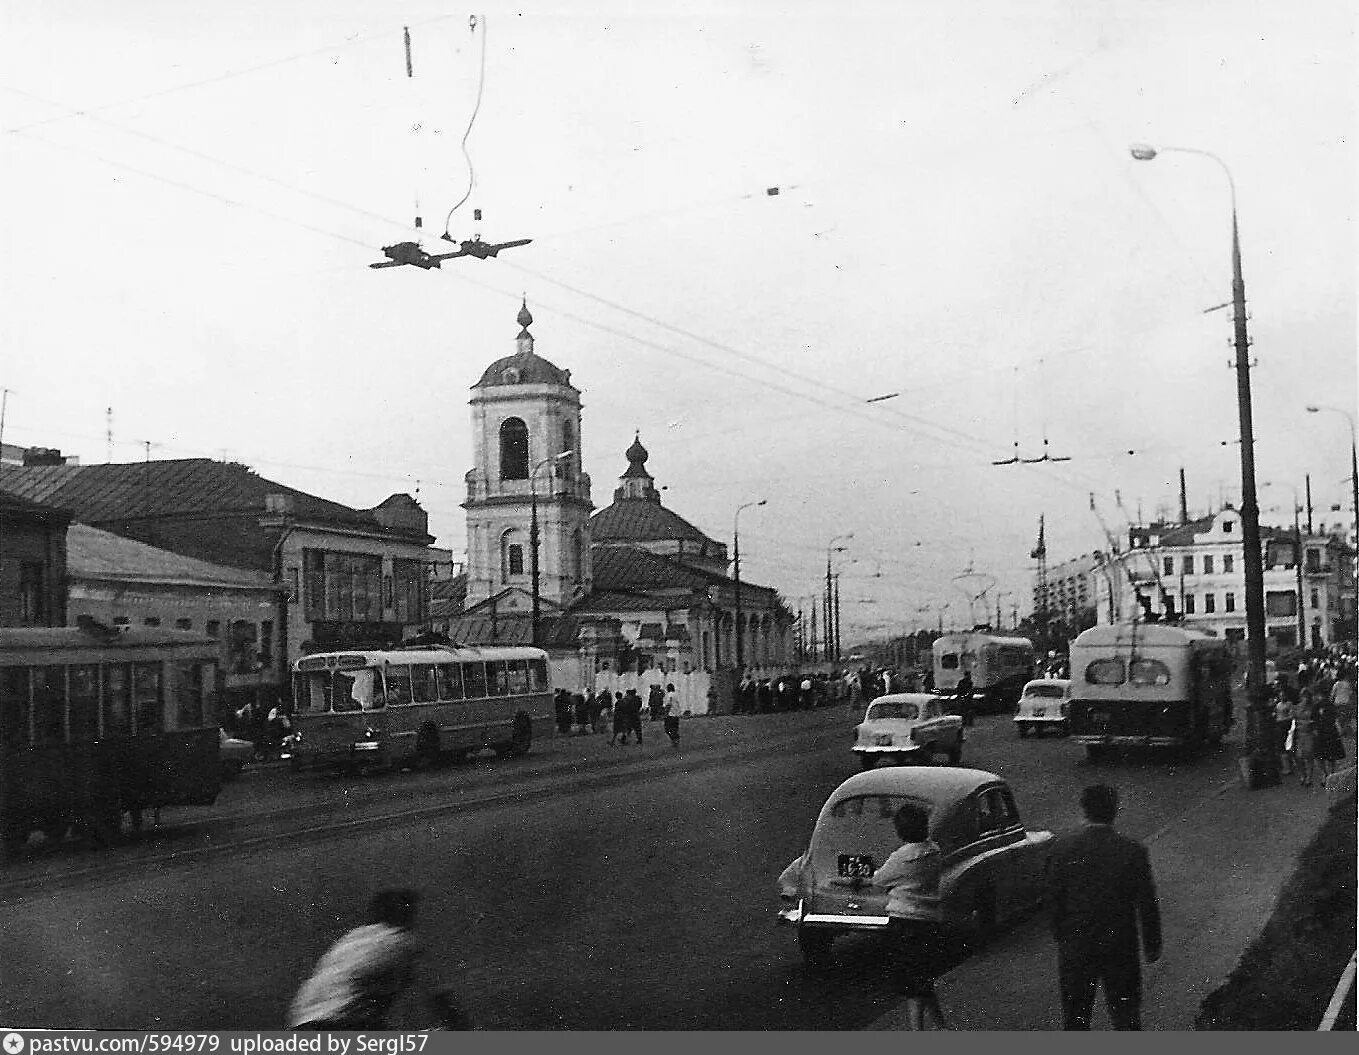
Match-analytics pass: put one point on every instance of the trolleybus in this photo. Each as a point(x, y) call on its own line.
point(97, 722)
point(410, 706)
point(1000, 666)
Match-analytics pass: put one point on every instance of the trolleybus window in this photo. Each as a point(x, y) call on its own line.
point(146, 691)
point(117, 699)
point(1148, 672)
point(537, 675)
point(49, 705)
point(474, 679)
point(188, 694)
point(450, 681)
point(518, 671)
point(949, 661)
point(84, 702)
point(398, 685)
point(423, 686)
point(1105, 672)
point(497, 678)
point(13, 706)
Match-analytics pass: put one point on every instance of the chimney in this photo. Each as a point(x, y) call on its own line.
point(1184, 500)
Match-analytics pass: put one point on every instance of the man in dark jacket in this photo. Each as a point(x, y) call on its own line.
point(1100, 893)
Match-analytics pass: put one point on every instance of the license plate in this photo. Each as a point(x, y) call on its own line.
point(855, 866)
point(883, 740)
point(1038, 712)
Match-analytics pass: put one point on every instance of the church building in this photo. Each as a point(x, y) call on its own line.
point(630, 594)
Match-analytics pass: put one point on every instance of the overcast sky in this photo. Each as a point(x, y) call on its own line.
point(193, 192)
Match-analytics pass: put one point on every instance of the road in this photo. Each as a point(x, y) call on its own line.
point(587, 887)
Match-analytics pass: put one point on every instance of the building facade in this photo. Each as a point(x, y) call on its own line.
point(32, 562)
point(1195, 570)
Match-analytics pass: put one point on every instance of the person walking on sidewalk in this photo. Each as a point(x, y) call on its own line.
point(1305, 737)
point(1099, 894)
point(632, 709)
point(672, 714)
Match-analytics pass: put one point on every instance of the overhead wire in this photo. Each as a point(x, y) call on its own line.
point(476, 109)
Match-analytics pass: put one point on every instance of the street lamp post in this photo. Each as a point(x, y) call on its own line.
point(1260, 764)
point(829, 623)
point(533, 537)
point(736, 546)
point(1354, 484)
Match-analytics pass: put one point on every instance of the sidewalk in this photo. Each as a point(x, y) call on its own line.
point(1219, 869)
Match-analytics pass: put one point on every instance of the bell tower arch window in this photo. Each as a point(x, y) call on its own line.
point(514, 453)
point(511, 555)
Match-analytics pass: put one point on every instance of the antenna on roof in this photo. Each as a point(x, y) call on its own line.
point(108, 435)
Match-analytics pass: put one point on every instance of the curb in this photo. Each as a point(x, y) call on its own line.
point(1342, 990)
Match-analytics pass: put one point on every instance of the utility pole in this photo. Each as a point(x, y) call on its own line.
point(1309, 503)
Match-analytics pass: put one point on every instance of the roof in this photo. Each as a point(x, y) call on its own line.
point(95, 554)
point(160, 488)
point(931, 782)
point(627, 569)
point(559, 632)
point(531, 368)
point(447, 597)
point(1146, 634)
point(618, 601)
point(642, 520)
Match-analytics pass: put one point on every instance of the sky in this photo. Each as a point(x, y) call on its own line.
point(193, 192)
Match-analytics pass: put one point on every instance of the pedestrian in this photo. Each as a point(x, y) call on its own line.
point(749, 696)
point(807, 693)
point(916, 940)
point(632, 704)
point(672, 714)
point(1342, 701)
point(1283, 724)
point(1329, 749)
point(582, 715)
point(561, 706)
point(712, 699)
point(1305, 737)
point(1099, 894)
point(620, 721)
point(359, 978)
point(655, 702)
point(600, 710)
point(964, 694)
point(764, 696)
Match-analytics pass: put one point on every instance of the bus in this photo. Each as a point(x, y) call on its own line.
point(96, 722)
point(1148, 684)
point(1000, 666)
point(412, 706)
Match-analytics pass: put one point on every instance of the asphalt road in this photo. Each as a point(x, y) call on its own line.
point(587, 888)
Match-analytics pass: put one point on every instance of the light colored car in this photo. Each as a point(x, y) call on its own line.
point(908, 727)
point(992, 867)
point(234, 753)
point(1043, 705)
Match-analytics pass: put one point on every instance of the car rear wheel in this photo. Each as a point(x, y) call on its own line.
point(816, 947)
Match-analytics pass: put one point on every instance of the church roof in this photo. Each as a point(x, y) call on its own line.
point(642, 520)
point(633, 571)
point(526, 368)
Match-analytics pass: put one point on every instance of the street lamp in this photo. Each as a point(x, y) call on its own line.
point(533, 535)
point(1260, 764)
point(832, 637)
point(736, 545)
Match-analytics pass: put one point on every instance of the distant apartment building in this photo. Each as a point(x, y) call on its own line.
point(1072, 587)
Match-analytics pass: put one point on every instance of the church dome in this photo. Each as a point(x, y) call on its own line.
point(637, 456)
point(524, 367)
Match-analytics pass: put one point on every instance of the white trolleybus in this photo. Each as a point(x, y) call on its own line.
point(1000, 667)
point(412, 706)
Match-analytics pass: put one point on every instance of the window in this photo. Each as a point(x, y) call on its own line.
point(424, 684)
point(450, 682)
point(514, 455)
point(1313, 561)
point(1189, 604)
point(188, 692)
point(267, 643)
point(474, 680)
point(1229, 603)
point(147, 698)
point(517, 670)
point(1228, 526)
point(1105, 672)
point(212, 627)
point(121, 620)
point(151, 620)
point(497, 678)
point(511, 554)
point(537, 669)
point(1315, 599)
point(409, 583)
point(949, 661)
point(577, 557)
point(1148, 672)
point(83, 703)
point(1209, 603)
point(183, 624)
point(516, 555)
point(1189, 565)
point(568, 444)
point(1208, 564)
point(1281, 603)
point(1169, 566)
point(13, 706)
point(398, 685)
point(1227, 562)
point(241, 649)
point(118, 699)
point(49, 705)
point(32, 594)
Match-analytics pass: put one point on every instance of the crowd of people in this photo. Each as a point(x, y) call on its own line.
point(578, 714)
point(1314, 709)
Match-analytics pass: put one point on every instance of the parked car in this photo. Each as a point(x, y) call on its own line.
point(234, 753)
point(1043, 705)
point(993, 868)
point(908, 727)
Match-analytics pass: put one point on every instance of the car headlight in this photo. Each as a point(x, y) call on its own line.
point(370, 733)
